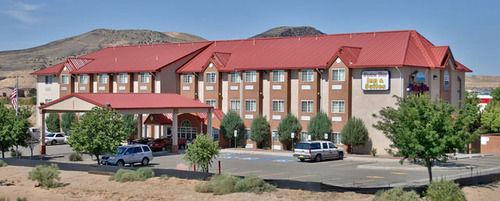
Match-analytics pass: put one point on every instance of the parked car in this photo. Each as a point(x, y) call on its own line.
point(145, 141)
point(129, 154)
point(318, 151)
point(159, 144)
point(55, 138)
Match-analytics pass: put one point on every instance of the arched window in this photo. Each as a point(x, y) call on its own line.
point(186, 123)
point(446, 80)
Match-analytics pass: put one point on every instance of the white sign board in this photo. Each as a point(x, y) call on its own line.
point(235, 133)
point(375, 80)
point(485, 140)
point(326, 136)
point(293, 135)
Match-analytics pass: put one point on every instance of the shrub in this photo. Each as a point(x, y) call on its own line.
point(253, 184)
point(75, 157)
point(319, 125)
point(444, 191)
point(396, 194)
point(354, 132)
point(3, 163)
point(260, 130)
point(7, 199)
point(225, 184)
point(374, 152)
point(229, 123)
point(141, 174)
point(53, 123)
point(13, 153)
point(47, 176)
point(202, 151)
point(164, 177)
point(289, 124)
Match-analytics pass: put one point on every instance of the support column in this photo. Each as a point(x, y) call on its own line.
point(42, 136)
point(139, 125)
point(209, 122)
point(175, 140)
point(164, 131)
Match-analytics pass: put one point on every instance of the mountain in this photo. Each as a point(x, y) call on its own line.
point(184, 36)
point(482, 82)
point(287, 31)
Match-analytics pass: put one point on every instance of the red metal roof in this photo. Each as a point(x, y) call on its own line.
point(136, 101)
point(51, 70)
point(460, 66)
point(158, 119)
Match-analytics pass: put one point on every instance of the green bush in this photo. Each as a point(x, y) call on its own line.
point(374, 152)
point(225, 184)
point(13, 153)
point(354, 132)
point(141, 174)
point(396, 194)
point(47, 176)
point(253, 184)
point(444, 191)
point(3, 163)
point(75, 157)
point(164, 177)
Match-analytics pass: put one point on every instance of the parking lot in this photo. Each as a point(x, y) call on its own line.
point(350, 172)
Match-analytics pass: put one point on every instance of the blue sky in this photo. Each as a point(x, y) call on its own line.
point(471, 28)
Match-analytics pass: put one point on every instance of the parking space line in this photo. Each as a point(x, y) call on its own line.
point(399, 173)
point(298, 177)
point(374, 177)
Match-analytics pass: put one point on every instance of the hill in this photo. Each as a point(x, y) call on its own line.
point(184, 36)
point(482, 82)
point(287, 31)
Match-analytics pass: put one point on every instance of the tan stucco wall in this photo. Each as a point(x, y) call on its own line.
point(45, 91)
point(266, 102)
point(294, 92)
point(324, 102)
point(225, 95)
point(434, 84)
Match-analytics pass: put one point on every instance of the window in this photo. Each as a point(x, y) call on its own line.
point(146, 149)
point(137, 150)
point(187, 78)
point(84, 78)
point(235, 77)
point(215, 133)
point(211, 102)
point(275, 136)
point(102, 78)
point(307, 106)
point(250, 105)
point(187, 132)
point(211, 77)
point(123, 78)
point(64, 79)
point(278, 106)
point(48, 79)
point(234, 105)
point(251, 76)
point(336, 138)
point(315, 146)
point(446, 80)
point(338, 74)
point(278, 75)
point(307, 75)
point(331, 146)
point(325, 145)
point(248, 133)
point(338, 106)
point(144, 77)
point(186, 123)
point(304, 136)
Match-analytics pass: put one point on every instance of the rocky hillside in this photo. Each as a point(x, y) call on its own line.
point(482, 82)
point(286, 31)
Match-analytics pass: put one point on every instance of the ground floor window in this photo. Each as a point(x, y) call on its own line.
point(247, 134)
point(275, 136)
point(215, 133)
point(336, 138)
point(304, 137)
point(187, 132)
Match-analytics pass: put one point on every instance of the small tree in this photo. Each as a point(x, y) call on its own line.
point(496, 94)
point(130, 124)
point(66, 120)
point(354, 133)
point(421, 130)
point(290, 124)
point(202, 151)
point(20, 126)
point(260, 130)
point(53, 123)
point(318, 126)
point(6, 140)
point(231, 122)
point(99, 131)
point(490, 117)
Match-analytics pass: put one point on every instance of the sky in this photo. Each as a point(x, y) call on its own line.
point(470, 28)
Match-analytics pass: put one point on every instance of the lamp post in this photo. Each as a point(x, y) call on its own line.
point(235, 135)
point(293, 136)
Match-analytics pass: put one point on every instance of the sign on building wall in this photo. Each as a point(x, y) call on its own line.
point(375, 80)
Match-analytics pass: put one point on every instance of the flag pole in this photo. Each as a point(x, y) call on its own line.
point(17, 95)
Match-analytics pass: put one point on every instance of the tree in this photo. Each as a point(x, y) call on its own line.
point(99, 131)
point(467, 119)
point(130, 124)
point(290, 124)
point(490, 117)
point(66, 120)
point(6, 140)
point(20, 125)
point(354, 133)
point(52, 122)
point(231, 122)
point(260, 130)
point(318, 126)
point(202, 151)
point(421, 130)
point(496, 94)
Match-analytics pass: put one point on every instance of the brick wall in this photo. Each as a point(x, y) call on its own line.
point(490, 143)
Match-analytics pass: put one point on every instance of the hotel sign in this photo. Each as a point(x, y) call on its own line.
point(375, 80)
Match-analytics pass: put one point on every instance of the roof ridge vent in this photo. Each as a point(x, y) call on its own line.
point(254, 42)
point(116, 59)
point(374, 34)
point(156, 57)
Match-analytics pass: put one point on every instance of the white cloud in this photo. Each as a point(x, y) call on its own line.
point(22, 16)
point(30, 7)
point(23, 12)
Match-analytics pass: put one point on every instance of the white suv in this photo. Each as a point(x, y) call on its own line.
point(318, 151)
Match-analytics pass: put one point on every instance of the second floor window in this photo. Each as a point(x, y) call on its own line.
point(446, 80)
point(250, 105)
point(278, 75)
point(338, 106)
point(278, 106)
point(338, 74)
point(211, 77)
point(307, 75)
point(307, 106)
point(64, 79)
point(144, 77)
point(123, 78)
point(211, 102)
point(235, 77)
point(103, 78)
point(187, 78)
point(234, 105)
point(84, 78)
point(48, 79)
point(251, 76)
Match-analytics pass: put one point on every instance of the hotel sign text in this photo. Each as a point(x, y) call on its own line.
point(375, 80)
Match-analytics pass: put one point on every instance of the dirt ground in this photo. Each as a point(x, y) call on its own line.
point(84, 186)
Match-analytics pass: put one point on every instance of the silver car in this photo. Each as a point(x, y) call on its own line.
point(318, 151)
point(55, 138)
point(129, 154)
